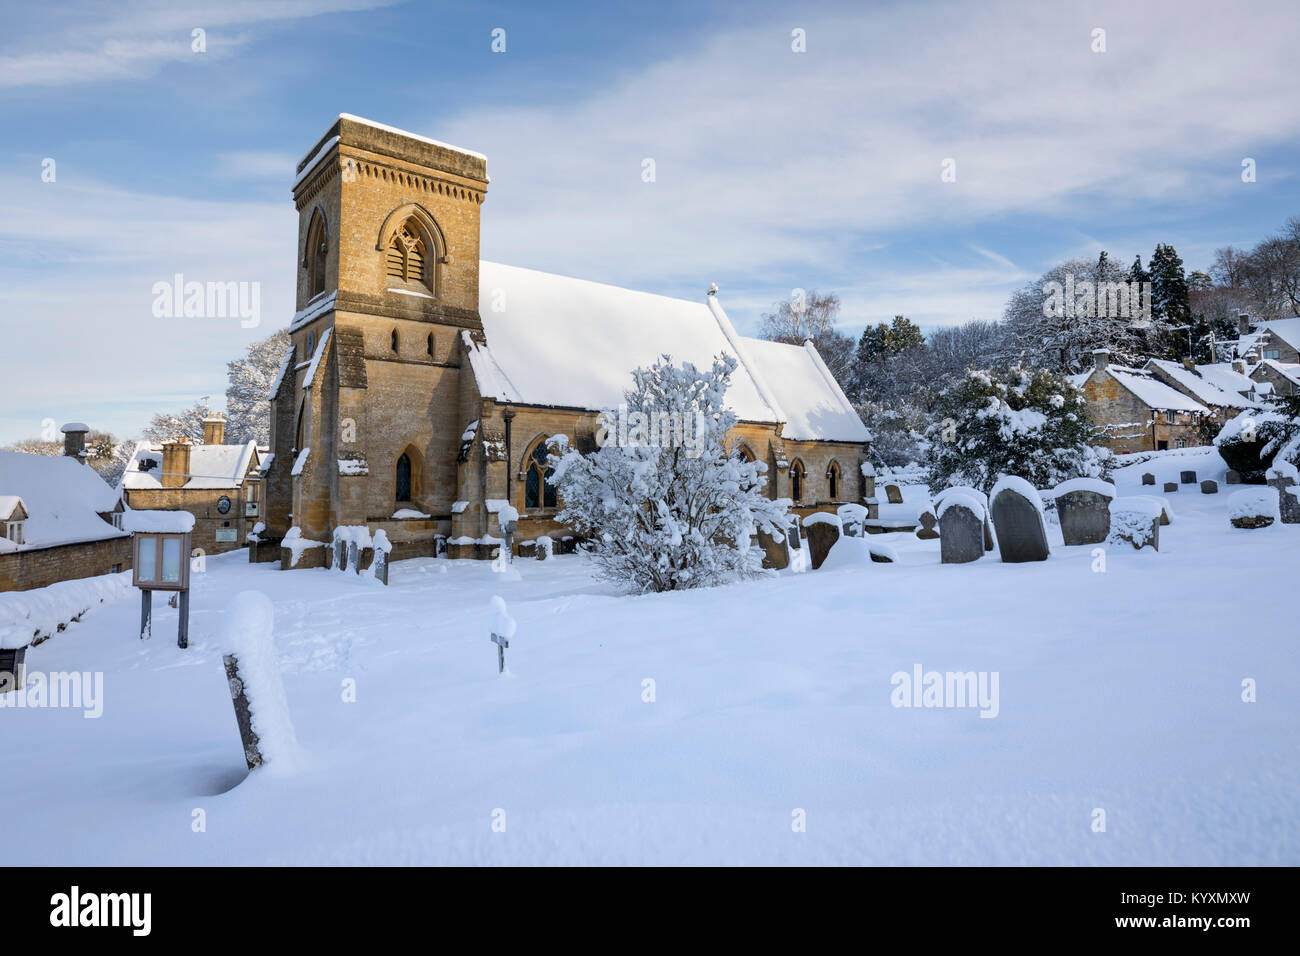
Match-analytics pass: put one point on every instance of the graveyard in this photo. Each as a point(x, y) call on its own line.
point(1154, 686)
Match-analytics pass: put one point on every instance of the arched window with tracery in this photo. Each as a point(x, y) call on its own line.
point(538, 490)
point(796, 481)
point(409, 255)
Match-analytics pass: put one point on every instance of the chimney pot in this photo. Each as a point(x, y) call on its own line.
point(1100, 358)
point(175, 463)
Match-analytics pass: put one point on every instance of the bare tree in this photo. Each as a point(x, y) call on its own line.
point(811, 316)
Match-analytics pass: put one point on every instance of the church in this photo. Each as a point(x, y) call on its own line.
point(422, 382)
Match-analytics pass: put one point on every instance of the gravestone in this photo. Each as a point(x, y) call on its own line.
point(381, 566)
point(1254, 507)
point(1209, 487)
point(340, 555)
point(928, 523)
point(1171, 486)
point(1019, 524)
point(893, 494)
point(822, 535)
point(1135, 521)
point(1187, 477)
point(353, 557)
point(853, 520)
point(527, 549)
point(545, 547)
point(961, 534)
point(1148, 478)
point(776, 554)
point(1085, 516)
point(439, 545)
point(1232, 477)
point(1288, 503)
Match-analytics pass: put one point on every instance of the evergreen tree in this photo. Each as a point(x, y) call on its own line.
point(1169, 300)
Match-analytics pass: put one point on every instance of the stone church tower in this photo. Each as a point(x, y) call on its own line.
point(388, 277)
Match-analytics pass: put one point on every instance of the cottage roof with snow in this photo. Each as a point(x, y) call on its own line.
point(532, 320)
point(1200, 385)
point(64, 500)
point(1153, 393)
point(211, 466)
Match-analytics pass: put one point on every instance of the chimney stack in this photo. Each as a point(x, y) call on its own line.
point(214, 429)
point(1188, 363)
point(1239, 366)
point(1243, 323)
point(175, 463)
point(1100, 358)
point(74, 440)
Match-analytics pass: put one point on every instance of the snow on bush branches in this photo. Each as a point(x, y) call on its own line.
point(665, 517)
point(1026, 423)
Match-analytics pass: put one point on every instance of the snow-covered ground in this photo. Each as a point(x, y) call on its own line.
point(1119, 690)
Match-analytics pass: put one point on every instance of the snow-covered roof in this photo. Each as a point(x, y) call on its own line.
point(211, 466)
point(1200, 385)
point(1288, 370)
point(1224, 376)
point(572, 343)
point(1288, 330)
point(1154, 394)
point(63, 499)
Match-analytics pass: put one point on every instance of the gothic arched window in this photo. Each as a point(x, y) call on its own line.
point(538, 490)
point(392, 340)
point(314, 255)
point(408, 255)
point(796, 481)
point(428, 345)
point(833, 480)
point(404, 477)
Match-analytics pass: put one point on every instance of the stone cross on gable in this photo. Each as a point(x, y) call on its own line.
point(501, 643)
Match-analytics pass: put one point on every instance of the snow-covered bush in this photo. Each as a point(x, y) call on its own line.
point(1249, 443)
point(664, 517)
point(1027, 423)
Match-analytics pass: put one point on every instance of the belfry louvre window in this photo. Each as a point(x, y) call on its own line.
point(407, 254)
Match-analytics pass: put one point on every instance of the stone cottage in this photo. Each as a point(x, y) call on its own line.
point(59, 519)
point(422, 383)
point(220, 484)
point(1137, 411)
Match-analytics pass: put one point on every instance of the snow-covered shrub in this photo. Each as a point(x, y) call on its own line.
point(1249, 443)
point(1026, 423)
point(664, 517)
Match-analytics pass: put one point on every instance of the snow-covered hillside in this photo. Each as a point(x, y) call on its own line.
point(1119, 690)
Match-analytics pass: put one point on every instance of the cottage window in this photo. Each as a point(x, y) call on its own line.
point(14, 531)
point(1169, 417)
point(1272, 353)
point(538, 490)
point(404, 478)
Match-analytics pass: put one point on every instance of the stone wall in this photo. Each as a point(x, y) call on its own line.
point(202, 503)
point(1128, 421)
point(41, 567)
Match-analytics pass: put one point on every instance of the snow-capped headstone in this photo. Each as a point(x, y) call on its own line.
point(853, 520)
point(776, 550)
point(1083, 507)
point(382, 546)
point(354, 557)
point(1135, 521)
point(1171, 486)
point(340, 555)
point(1018, 519)
point(1148, 478)
point(980, 497)
point(1187, 477)
point(1254, 507)
point(893, 494)
point(1209, 487)
point(545, 547)
point(961, 529)
point(1282, 476)
point(823, 530)
point(253, 676)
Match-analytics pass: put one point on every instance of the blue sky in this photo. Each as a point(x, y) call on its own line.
point(775, 170)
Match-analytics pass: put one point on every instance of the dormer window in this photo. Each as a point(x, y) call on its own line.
point(14, 531)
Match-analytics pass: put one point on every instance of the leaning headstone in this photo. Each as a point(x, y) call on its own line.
point(1209, 487)
point(1083, 507)
point(1232, 477)
point(253, 676)
point(961, 529)
point(853, 520)
point(1171, 486)
point(894, 494)
point(1018, 519)
point(1254, 507)
point(1148, 478)
point(1187, 477)
point(929, 522)
point(1135, 521)
point(823, 531)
